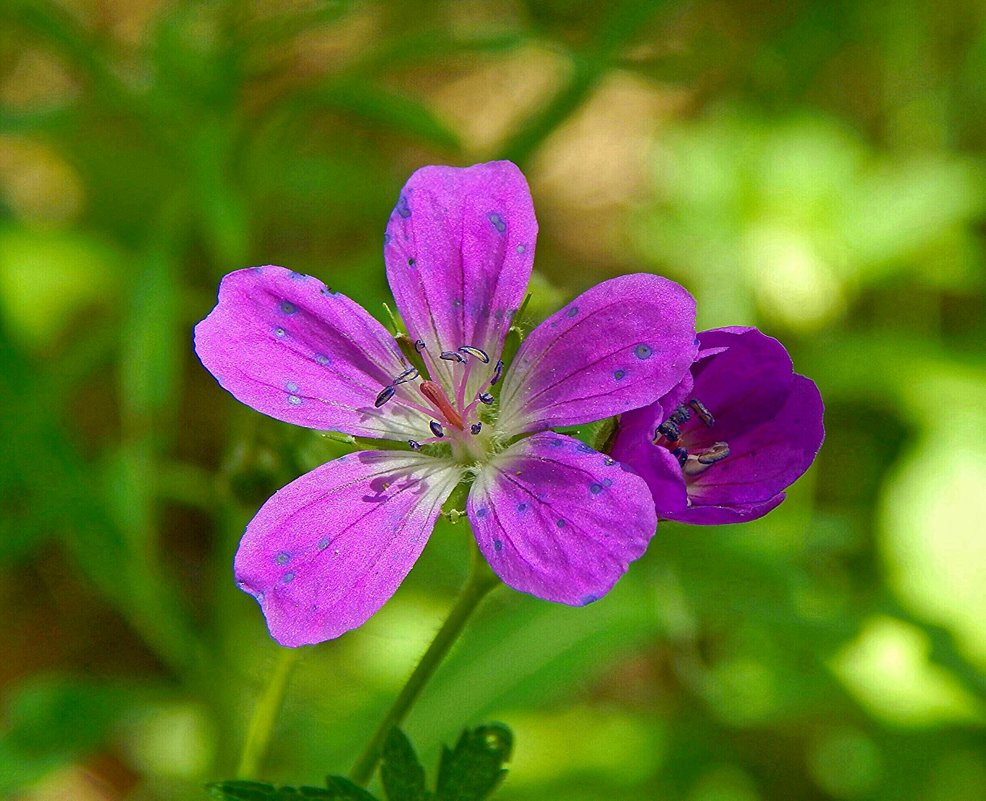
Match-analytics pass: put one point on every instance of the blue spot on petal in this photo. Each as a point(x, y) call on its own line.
point(322, 359)
point(287, 307)
point(279, 332)
point(609, 462)
point(583, 448)
point(294, 400)
point(386, 240)
point(595, 488)
point(402, 208)
point(326, 292)
point(287, 578)
point(557, 443)
point(283, 558)
point(560, 523)
point(522, 507)
point(497, 221)
point(291, 387)
point(588, 599)
point(572, 311)
point(643, 351)
point(298, 276)
point(619, 375)
point(521, 248)
point(323, 543)
point(497, 545)
point(607, 482)
point(482, 511)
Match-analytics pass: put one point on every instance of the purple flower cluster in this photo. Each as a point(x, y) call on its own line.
point(553, 517)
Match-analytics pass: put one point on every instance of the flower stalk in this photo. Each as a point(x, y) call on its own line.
point(481, 580)
point(265, 715)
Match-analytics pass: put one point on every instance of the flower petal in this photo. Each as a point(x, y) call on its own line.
point(328, 550)
point(743, 386)
point(766, 458)
point(654, 464)
point(459, 248)
point(725, 515)
point(284, 344)
point(618, 346)
point(558, 520)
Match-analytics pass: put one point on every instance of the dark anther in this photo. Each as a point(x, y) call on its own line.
point(497, 372)
point(718, 452)
point(681, 415)
point(385, 395)
point(436, 428)
point(408, 375)
point(419, 345)
point(478, 353)
point(704, 414)
point(485, 397)
point(681, 455)
point(476, 428)
point(451, 356)
point(414, 446)
point(669, 430)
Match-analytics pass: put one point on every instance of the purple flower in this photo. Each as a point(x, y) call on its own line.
point(553, 517)
point(722, 445)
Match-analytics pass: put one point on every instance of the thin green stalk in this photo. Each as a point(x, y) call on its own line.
point(265, 715)
point(481, 581)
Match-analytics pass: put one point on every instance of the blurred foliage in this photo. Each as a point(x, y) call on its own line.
point(816, 169)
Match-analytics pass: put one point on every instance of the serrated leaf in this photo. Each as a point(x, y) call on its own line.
point(402, 774)
point(260, 791)
point(341, 789)
point(241, 791)
point(474, 769)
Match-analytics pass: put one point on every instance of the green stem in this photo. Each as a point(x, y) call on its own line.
point(481, 581)
point(265, 715)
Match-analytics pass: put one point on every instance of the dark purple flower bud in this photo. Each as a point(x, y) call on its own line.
point(739, 428)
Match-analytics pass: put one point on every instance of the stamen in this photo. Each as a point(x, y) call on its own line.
point(478, 353)
point(385, 395)
point(485, 397)
point(681, 415)
point(497, 372)
point(704, 414)
point(434, 393)
point(452, 356)
point(476, 428)
point(681, 455)
point(669, 430)
point(703, 461)
point(413, 445)
point(408, 375)
point(718, 452)
point(436, 429)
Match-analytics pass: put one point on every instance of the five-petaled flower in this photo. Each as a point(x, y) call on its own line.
point(553, 517)
point(722, 445)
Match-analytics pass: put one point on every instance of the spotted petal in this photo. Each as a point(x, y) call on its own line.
point(618, 346)
point(286, 345)
point(559, 520)
point(459, 248)
point(328, 550)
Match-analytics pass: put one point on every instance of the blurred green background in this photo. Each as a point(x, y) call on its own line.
point(813, 168)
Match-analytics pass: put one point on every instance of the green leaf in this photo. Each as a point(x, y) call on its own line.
point(401, 772)
point(474, 769)
point(342, 789)
point(242, 791)
point(339, 789)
